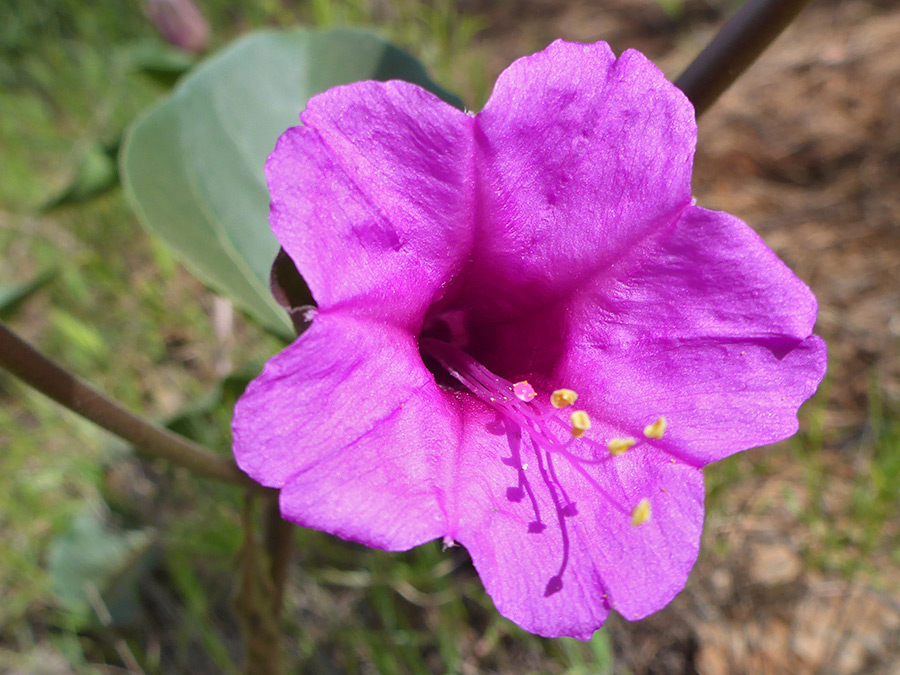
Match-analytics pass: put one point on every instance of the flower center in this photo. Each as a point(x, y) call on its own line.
point(514, 401)
point(522, 409)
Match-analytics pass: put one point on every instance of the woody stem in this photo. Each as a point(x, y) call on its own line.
point(737, 45)
point(51, 379)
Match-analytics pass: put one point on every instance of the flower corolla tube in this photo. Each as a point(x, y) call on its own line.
point(528, 340)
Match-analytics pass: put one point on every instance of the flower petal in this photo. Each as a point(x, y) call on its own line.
point(372, 197)
point(702, 324)
point(515, 532)
point(383, 489)
point(351, 425)
point(579, 156)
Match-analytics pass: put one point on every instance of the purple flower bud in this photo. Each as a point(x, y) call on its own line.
point(180, 23)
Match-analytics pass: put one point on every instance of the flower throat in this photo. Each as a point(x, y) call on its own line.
point(514, 401)
point(523, 410)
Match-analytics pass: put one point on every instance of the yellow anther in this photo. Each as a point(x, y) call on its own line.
point(619, 446)
point(580, 423)
point(641, 513)
point(657, 429)
point(562, 398)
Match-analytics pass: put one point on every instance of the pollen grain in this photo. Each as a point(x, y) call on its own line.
point(580, 423)
point(641, 513)
point(619, 446)
point(562, 398)
point(657, 429)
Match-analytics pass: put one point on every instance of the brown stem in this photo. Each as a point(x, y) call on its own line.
point(254, 604)
point(737, 44)
point(51, 379)
point(279, 535)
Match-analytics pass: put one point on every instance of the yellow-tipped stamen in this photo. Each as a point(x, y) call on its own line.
point(641, 513)
point(619, 446)
point(580, 423)
point(562, 398)
point(657, 429)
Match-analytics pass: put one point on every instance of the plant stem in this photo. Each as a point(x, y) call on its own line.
point(279, 539)
point(51, 379)
point(258, 602)
point(737, 44)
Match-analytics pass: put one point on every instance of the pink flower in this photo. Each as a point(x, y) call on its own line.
point(462, 263)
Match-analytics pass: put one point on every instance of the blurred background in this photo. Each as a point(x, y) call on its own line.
point(110, 563)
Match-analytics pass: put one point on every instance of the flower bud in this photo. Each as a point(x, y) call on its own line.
point(180, 23)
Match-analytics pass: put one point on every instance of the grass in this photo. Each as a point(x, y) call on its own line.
point(844, 500)
point(876, 496)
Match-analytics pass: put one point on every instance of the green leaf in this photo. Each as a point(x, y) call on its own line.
point(85, 341)
point(13, 295)
point(92, 556)
point(159, 61)
point(193, 166)
point(97, 175)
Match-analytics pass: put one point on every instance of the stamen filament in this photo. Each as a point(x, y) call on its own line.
point(498, 393)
